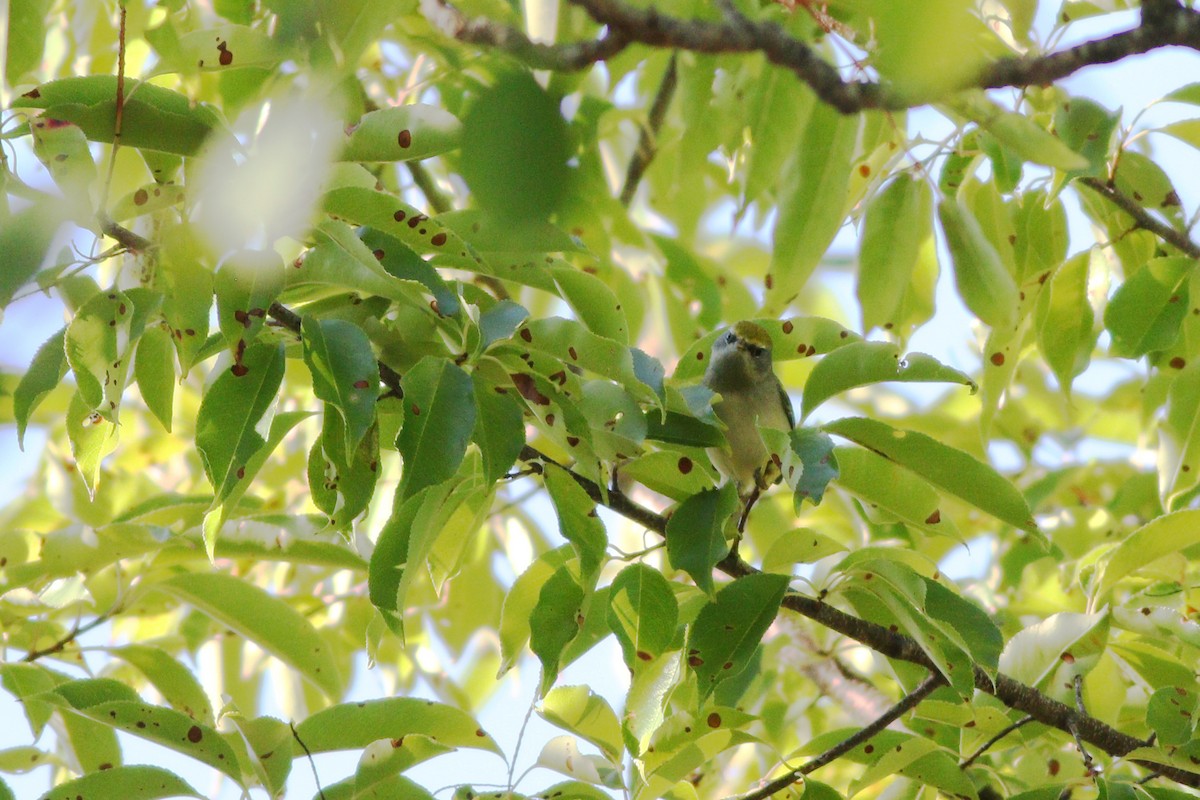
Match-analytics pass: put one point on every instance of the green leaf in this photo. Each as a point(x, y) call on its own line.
point(164, 726)
point(594, 303)
point(1087, 128)
point(937, 768)
point(25, 239)
point(1171, 533)
point(353, 726)
point(175, 682)
point(439, 417)
point(775, 96)
point(499, 429)
point(578, 521)
point(402, 133)
point(153, 117)
point(97, 346)
point(26, 38)
point(386, 213)
point(863, 363)
point(154, 369)
point(257, 741)
point(63, 150)
point(578, 710)
point(819, 466)
point(223, 507)
point(45, 372)
point(555, 621)
point(520, 601)
point(92, 438)
point(889, 488)
point(342, 482)
point(344, 371)
point(246, 284)
point(983, 282)
point(1146, 311)
point(813, 195)
point(898, 220)
point(226, 426)
point(1179, 439)
point(401, 261)
point(952, 470)
point(574, 345)
point(1144, 180)
point(696, 533)
point(265, 620)
point(966, 623)
point(188, 298)
point(678, 476)
point(227, 47)
point(728, 629)
point(500, 322)
point(1018, 132)
point(1064, 321)
point(1171, 713)
point(1049, 654)
point(515, 147)
point(128, 783)
point(1040, 228)
point(643, 614)
point(799, 546)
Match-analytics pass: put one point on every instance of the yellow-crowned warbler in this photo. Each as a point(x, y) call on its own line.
point(751, 395)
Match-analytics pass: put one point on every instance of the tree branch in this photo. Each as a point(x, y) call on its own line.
point(1142, 218)
point(1164, 23)
point(560, 57)
point(906, 704)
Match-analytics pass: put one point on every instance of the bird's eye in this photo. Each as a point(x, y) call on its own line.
point(754, 350)
point(730, 338)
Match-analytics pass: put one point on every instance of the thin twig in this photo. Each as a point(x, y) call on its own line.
point(438, 202)
point(647, 146)
point(77, 631)
point(312, 764)
point(906, 704)
point(119, 114)
point(983, 748)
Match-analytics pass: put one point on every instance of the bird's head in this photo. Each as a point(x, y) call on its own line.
point(741, 357)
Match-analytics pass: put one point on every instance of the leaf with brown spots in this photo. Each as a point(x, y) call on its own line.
point(643, 614)
point(948, 468)
point(246, 284)
point(577, 520)
point(554, 622)
point(729, 628)
point(135, 781)
point(345, 374)
point(155, 118)
point(353, 726)
point(865, 363)
point(225, 47)
point(378, 210)
point(402, 133)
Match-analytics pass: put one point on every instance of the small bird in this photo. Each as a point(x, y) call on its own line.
point(751, 395)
